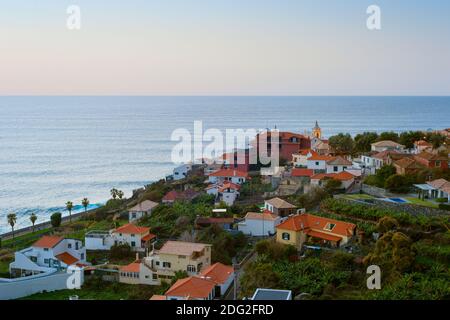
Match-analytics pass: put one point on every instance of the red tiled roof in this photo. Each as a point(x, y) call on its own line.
point(47, 242)
point(229, 173)
point(132, 267)
point(218, 272)
point(309, 222)
point(298, 172)
point(192, 287)
point(148, 237)
point(131, 229)
point(339, 161)
point(341, 176)
point(230, 185)
point(175, 195)
point(67, 258)
point(318, 157)
point(322, 235)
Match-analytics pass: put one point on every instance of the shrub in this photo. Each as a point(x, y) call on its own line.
point(444, 206)
point(55, 219)
point(120, 251)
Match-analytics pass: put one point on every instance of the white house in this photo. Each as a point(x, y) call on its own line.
point(300, 159)
point(232, 175)
point(387, 145)
point(422, 145)
point(47, 254)
point(337, 164)
point(259, 224)
point(138, 238)
point(227, 192)
point(141, 209)
point(318, 163)
point(182, 171)
point(345, 177)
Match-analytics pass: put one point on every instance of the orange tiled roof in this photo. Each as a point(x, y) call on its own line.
point(67, 258)
point(158, 297)
point(339, 161)
point(323, 235)
point(148, 237)
point(407, 163)
point(299, 172)
point(230, 185)
point(318, 157)
point(341, 176)
point(132, 267)
point(307, 222)
point(47, 242)
point(130, 228)
point(229, 173)
point(218, 272)
point(192, 287)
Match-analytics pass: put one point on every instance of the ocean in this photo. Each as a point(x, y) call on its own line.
point(55, 149)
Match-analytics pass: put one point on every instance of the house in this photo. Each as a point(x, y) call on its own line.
point(318, 163)
point(227, 192)
point(259, 224)
point(441, 189)
point(407, 166)
point(321, 146)
point(298, 229)
point(212, 282)
point(232, 175)
point(271, 294)
point(288, 143)
point(204, 222)
point(387, 145)
point(172, 196)
point(221, 274)
point(181, 171)
point(431, 160)
point(177, 256)
point(47, 254)
point(141, 209)
point(279, 207)
point(131, 273)
point(300, 159)
point(346, 178)
point(138, 238)
point(422, 145)
point(337, 164)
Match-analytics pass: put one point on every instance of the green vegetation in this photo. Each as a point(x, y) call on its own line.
point(364, 140)
point(421, 202)
point(96, 289)
point(55, 219)
point(342, 143)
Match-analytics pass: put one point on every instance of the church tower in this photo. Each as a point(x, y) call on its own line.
point(317, 132)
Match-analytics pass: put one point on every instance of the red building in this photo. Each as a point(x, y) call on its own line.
point(288, 143)
point(431, 160)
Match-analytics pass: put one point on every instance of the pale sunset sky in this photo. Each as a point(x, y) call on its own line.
point(225, 47)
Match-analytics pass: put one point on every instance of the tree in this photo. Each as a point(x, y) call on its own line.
point(69, 207)
point(55, 219)
point(258, 275)
point(342, 143)
point(408, 138)
point(386, 224)
point(85, 203)
point(12, 219)
point(435, 139)
point(364, 140)
point(332, 185)
point(398, 183)
point(381, 176)
point(33, 219)
point(120, 194)
point(114, 193)
point(389, 135)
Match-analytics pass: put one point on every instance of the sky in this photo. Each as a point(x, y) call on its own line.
point(224, 47)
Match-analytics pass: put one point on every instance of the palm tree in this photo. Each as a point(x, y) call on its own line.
point(120, 194)
point(33, 218)
point(69, 206)
point(12, 219)
point(114, 193)
point(85, 204)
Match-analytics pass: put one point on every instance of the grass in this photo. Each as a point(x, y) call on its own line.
point(361, 196)
point(4, 269)
point(102, 290)
point(423, 203)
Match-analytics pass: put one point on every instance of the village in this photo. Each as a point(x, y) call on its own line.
point(222, 230)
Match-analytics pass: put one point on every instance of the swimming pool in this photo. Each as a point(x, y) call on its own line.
point(398, 200)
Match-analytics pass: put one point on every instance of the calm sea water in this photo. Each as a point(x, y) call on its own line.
point(55, 149)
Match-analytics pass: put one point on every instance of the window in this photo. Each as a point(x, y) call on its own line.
point(157, 263)
point(285, 236)
point(132, 235)
point(437, 163)
point(317, 163)
point(133, 243)
point(154, 276)
point(190, 268)
point(166, 264)
point(46, 261)
point(200, 265)
point(120, 234)
point(82, 256)
point(330, 226)
point(335, 168)
point(69, 245)
point(45, 249)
